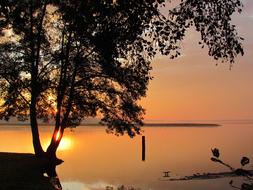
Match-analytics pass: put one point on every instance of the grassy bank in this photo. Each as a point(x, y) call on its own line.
point(20, 171)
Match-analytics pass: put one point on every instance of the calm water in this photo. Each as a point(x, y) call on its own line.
point(94, 159)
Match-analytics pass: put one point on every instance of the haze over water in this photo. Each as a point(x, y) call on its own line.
point(94, 159)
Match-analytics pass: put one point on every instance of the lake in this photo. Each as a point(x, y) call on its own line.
point(94, 159)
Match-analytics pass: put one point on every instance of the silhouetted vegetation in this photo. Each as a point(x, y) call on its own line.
point(68, 60)
point(246, 174)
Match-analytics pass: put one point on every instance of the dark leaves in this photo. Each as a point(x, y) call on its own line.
point(238, 172)
point(216, 152)
point(212, 19)
point(244, 161)
point(95, 56)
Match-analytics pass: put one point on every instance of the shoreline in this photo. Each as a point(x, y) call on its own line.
point(21, 171)
point(182, 124)
point(144, 125)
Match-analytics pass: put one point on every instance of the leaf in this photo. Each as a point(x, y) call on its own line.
point(244, 161)
point(216, 152)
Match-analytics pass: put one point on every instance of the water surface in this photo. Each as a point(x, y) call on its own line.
point(94, 159)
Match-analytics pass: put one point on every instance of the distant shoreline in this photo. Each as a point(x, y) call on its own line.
point(145, 124)
point(183, 124)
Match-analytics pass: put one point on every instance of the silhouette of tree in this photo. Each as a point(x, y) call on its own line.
point(67, 60)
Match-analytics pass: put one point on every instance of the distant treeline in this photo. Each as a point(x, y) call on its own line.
point(145, 124)
point(182, 124)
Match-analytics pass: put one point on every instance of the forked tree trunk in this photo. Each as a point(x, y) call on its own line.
point(52, 148)
point(54, 144)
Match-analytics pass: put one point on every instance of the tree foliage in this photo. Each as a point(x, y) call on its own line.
point(68, 60)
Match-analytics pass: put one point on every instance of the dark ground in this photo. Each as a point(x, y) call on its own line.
point(20, 171)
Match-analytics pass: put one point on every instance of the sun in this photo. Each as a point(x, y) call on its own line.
point(65, 144)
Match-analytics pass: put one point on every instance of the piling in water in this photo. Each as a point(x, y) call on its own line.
point(143, 148)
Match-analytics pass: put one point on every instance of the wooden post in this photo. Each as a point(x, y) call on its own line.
point(143, 148)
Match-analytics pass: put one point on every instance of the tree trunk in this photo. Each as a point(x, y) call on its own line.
point(52, 148)
point(34, 72)
point(38, 150)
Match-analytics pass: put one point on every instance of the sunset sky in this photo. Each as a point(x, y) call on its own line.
point(193, 88)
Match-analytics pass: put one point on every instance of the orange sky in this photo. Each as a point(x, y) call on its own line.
point(193, 88)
